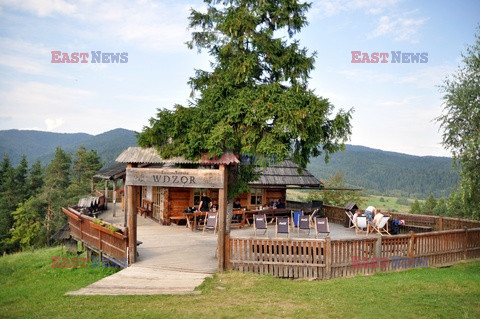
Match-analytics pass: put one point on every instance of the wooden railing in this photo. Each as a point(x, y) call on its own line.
point(336, 215)
point(96, 237)
point(325, 258)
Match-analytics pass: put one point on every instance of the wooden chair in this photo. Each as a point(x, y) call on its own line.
point(282, 226)
point(361, 224)
point(210, 222)
point(382, 227)
point(238, 218)
point(303, 224)
point(260, 222)
point(321, 226)
point(350, 216)
point(146, 209)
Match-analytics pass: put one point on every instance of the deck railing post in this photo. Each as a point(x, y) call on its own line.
point(411, 245)
point(328, 258)
point(378, 251)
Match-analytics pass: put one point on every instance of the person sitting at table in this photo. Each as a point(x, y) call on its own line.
point(273, 204)
point(280, 205)
point(357, 213)
point(236, 204)
point(214, 206)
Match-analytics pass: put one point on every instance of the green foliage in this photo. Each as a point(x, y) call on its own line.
point(337, 196)
point(455, 205)
point(440, 208)
point(460, 122)
point(35, 179)
point(390, 174)
point(31, 200)
point(403, 201)
point(382, 200)
point(27, 227)
point(30, 287)
point(429, 205)
point(38, 145)
point(416, 208)
point(256, 100)
point(98, 221)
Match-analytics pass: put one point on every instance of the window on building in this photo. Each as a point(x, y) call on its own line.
point(256, 197)
point(197, 195)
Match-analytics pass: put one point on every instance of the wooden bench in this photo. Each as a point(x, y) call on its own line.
point(415, 228)
point(146, 209)
point(178, 219)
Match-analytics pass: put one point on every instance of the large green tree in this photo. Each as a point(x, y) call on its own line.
point(255, 99)
point(460, 122)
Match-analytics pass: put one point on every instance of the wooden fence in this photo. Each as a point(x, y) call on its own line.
point(337, 215)
point(96, 237)
point(325, 258)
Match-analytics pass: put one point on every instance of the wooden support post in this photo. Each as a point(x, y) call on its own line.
point(328, 258)
point(114, 196)
point(440, 223)
point(106, 193)
point(411, 245)
point(125, 206)
point(132, 223)
point(378, 251)
point(465, 244)
point(222, 222)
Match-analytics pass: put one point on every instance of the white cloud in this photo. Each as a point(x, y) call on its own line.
point(328, 8)
point(53, 123)
point(403, 28)
point(150, 25)
point(27, 102)
point(42, 7)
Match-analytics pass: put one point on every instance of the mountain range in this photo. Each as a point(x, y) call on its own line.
point(376, 171)
point(38, 145)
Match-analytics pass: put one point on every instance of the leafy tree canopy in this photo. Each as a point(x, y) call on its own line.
point(461, 125)
point(255, 99)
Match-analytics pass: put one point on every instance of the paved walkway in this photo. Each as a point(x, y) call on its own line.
point(173, 259)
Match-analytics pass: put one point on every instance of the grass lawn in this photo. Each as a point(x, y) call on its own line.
point(30, 288)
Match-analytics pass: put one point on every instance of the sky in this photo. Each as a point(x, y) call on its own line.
point(394, 104)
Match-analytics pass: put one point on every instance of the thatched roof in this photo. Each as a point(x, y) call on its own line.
point(281, 174)
point(112, 172)
point(143, 155)
point(286, 173)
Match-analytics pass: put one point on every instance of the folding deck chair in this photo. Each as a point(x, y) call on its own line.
point(260, 222)
point(382, 228)
point(303, 224)
point(282, 226)
point(210, 222)
point(321, 226)
point(350, 216)
point(361, 224)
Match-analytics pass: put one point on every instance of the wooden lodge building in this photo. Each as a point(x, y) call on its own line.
point(172, 201)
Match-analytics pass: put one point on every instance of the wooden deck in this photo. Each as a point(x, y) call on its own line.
point(172, 260)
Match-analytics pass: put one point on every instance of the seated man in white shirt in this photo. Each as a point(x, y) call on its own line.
point(377, 219)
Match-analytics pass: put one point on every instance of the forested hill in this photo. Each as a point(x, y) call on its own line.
point(377, 171)
point(41, 145)
point(389, 173)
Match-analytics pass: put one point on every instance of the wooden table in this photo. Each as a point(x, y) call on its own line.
point(192, 219)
